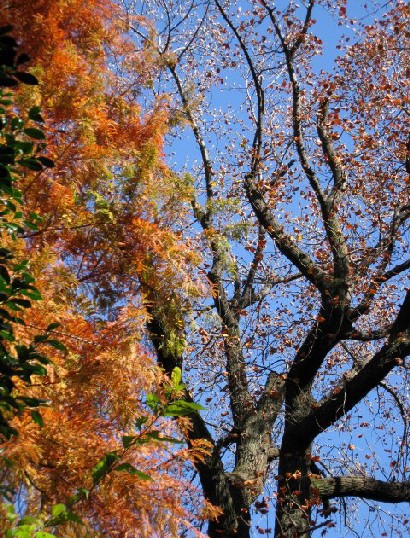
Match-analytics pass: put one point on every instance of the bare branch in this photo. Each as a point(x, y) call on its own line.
point(285, 244)
point(257, 141)
point(247, 292)
point(206, 161)
point(377, 334)
point(395, 271)
point(339, 176)
point(253, 298)
point(366, 488)
point(353, 389)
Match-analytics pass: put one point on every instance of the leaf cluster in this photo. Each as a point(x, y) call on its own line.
point(18, 151)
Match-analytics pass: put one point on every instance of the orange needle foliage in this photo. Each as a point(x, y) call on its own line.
point(104, 207)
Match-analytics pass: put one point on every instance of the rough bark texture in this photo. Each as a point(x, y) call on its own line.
point(360, 486)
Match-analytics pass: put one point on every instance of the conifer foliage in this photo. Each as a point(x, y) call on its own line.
point(233, 327)
point(89, 443)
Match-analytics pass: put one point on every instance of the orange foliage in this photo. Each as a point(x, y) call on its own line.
point(104, 207)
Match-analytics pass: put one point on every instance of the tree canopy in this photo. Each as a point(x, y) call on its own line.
point(224, 240)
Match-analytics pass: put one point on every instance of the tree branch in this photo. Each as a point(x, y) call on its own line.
point(353, 389)
point(283, 241)
point(257, 141)
point(363, 487)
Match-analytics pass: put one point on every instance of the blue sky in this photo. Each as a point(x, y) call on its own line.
point(183, 152)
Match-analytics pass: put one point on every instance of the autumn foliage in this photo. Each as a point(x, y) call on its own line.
point(102, 246)
point(266, 280)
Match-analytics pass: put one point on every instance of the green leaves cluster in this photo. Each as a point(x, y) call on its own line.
point(26, 527)
point(173, 408)
point(19, 149)
point(10, 61)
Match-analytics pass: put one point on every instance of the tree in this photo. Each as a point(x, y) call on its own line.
point(96, 460)
point(272, 271)
point(301, 209)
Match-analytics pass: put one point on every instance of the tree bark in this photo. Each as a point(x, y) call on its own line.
point(293, 506)
point(363, 487)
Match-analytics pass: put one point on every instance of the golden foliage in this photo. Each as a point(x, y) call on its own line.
point(107, 207)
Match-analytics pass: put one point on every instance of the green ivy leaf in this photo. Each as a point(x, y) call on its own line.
point(56, 344)
point(52, 326)
point(27, 78)
point(153, 402)
point(176, 379)
point(82, 493)
point(128, 440)
point(34, 294)
point(31, 164)
point(139, 422)
point(46, 162)
point(35, 114)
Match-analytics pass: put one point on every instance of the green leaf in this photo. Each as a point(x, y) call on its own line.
point(32, 132)
point(5, 315)
point(7, 81)
point(6, 336)
point(104, 466)
point(7, 155)
point(139, 422)
point(17, 123)
point(176, 379)
point(4, 174)
point(39, 338)
point(27, 78)
point(58, 509)
point(43, 534)
point(33, 402)
point(35, 114)
point(153, 401)
point(36, 369)
point(34, 294)
point(128, 440)
point(27, 520)
point(6, 29)
point(4, 274)
point(25, 264)
point(56, 344)
point(10, 513)
point(23, 532)
point(82, 493)
point(31, 164)
point(128, 468)
point(25, 303)
point(53, 326)
point(22, 58)
point(71, 516)
point(181, 408)
point(45, 161)
point(38, 419)
point(24, 147)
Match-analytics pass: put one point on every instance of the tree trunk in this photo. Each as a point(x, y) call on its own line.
point(293, 503)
